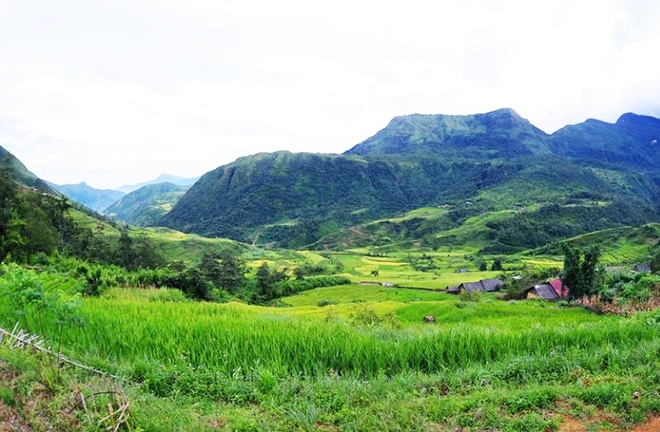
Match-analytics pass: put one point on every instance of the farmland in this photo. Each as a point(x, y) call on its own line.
point(352, 357)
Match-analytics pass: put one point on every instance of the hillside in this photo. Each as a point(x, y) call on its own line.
point(283, 194)
point(20, 173)
point(630, 142)
point(584, 177)
point(95, 199)
point(146, 205)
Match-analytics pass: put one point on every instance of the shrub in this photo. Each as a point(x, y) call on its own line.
point(289, 287)
point(366, 316)
point(467, 296)
point(326, 302)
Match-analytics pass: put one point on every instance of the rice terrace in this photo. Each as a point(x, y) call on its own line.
point(450, 273)
point(347, 357)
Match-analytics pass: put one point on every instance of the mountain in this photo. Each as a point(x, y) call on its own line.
point(95, 199)
point(163, 178)
point(146, 205)
point(21, 173)
point(594, 175)
point(498, 134)
point(269, 195)
point(631, 142)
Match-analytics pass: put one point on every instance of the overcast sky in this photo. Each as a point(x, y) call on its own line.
point(118, 92)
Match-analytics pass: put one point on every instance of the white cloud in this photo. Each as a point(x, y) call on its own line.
point(118, 92)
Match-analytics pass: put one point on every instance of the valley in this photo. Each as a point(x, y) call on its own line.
point(302, 291)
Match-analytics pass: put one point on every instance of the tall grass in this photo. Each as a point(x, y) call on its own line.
point(231, 338)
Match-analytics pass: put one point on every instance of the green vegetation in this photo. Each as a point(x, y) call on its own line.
point(346, 365)
point(147, 205)
point(529, 189)
point(356, 333)
point(581, 272)
point(336, 357)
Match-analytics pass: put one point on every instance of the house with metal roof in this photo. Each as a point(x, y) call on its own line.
point(453, 289)
point(484, 285)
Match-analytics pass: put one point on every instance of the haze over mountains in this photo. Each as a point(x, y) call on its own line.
point(583, 177)
point(146, 205)
point(163, 178)
point(100, 199)
point(95, 199)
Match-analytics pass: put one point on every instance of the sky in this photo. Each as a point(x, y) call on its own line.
point(117, 92)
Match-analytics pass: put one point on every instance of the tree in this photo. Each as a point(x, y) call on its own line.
point(125, 254)
point(10, 222)
point(146, 252)
point(210, 267)
point(231, 272)
point(265, 283)
point(194, 284)
point(497, 265)
point(655, 259)
point(581, 273)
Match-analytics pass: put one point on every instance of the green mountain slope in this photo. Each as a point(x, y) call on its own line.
point(283, 195)
point(20, 173)
point(568, 183)
point(146, 205)
point(95, 199)
point(631, 142)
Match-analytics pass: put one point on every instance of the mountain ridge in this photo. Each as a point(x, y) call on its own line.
point(425, 134)
point(496, 159)
point(91, 197)
point(146, 205)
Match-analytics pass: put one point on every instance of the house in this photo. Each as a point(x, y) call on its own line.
point(470, 287)
point(484, 285)
point(551, 290)
point(542, 291)
point(492, 285)
point(453, 289)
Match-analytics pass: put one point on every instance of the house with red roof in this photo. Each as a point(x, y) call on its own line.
point(551, 290)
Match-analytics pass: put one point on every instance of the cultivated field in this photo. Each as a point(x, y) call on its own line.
point(355, 357)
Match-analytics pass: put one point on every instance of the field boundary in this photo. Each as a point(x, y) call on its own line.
point(20, 339)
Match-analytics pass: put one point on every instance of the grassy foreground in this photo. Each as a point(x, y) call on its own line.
point(364, 361)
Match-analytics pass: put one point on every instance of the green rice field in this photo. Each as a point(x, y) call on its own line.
point(357, 357)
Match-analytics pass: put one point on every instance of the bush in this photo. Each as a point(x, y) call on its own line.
point(630, 286)
point(366, 316)
point(325, 302)
point(289, 287)
point(466, 296)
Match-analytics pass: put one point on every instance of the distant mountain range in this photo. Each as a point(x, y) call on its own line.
point(147, 205)
point(95, 199)
point(100, 199)
point(586, 176)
